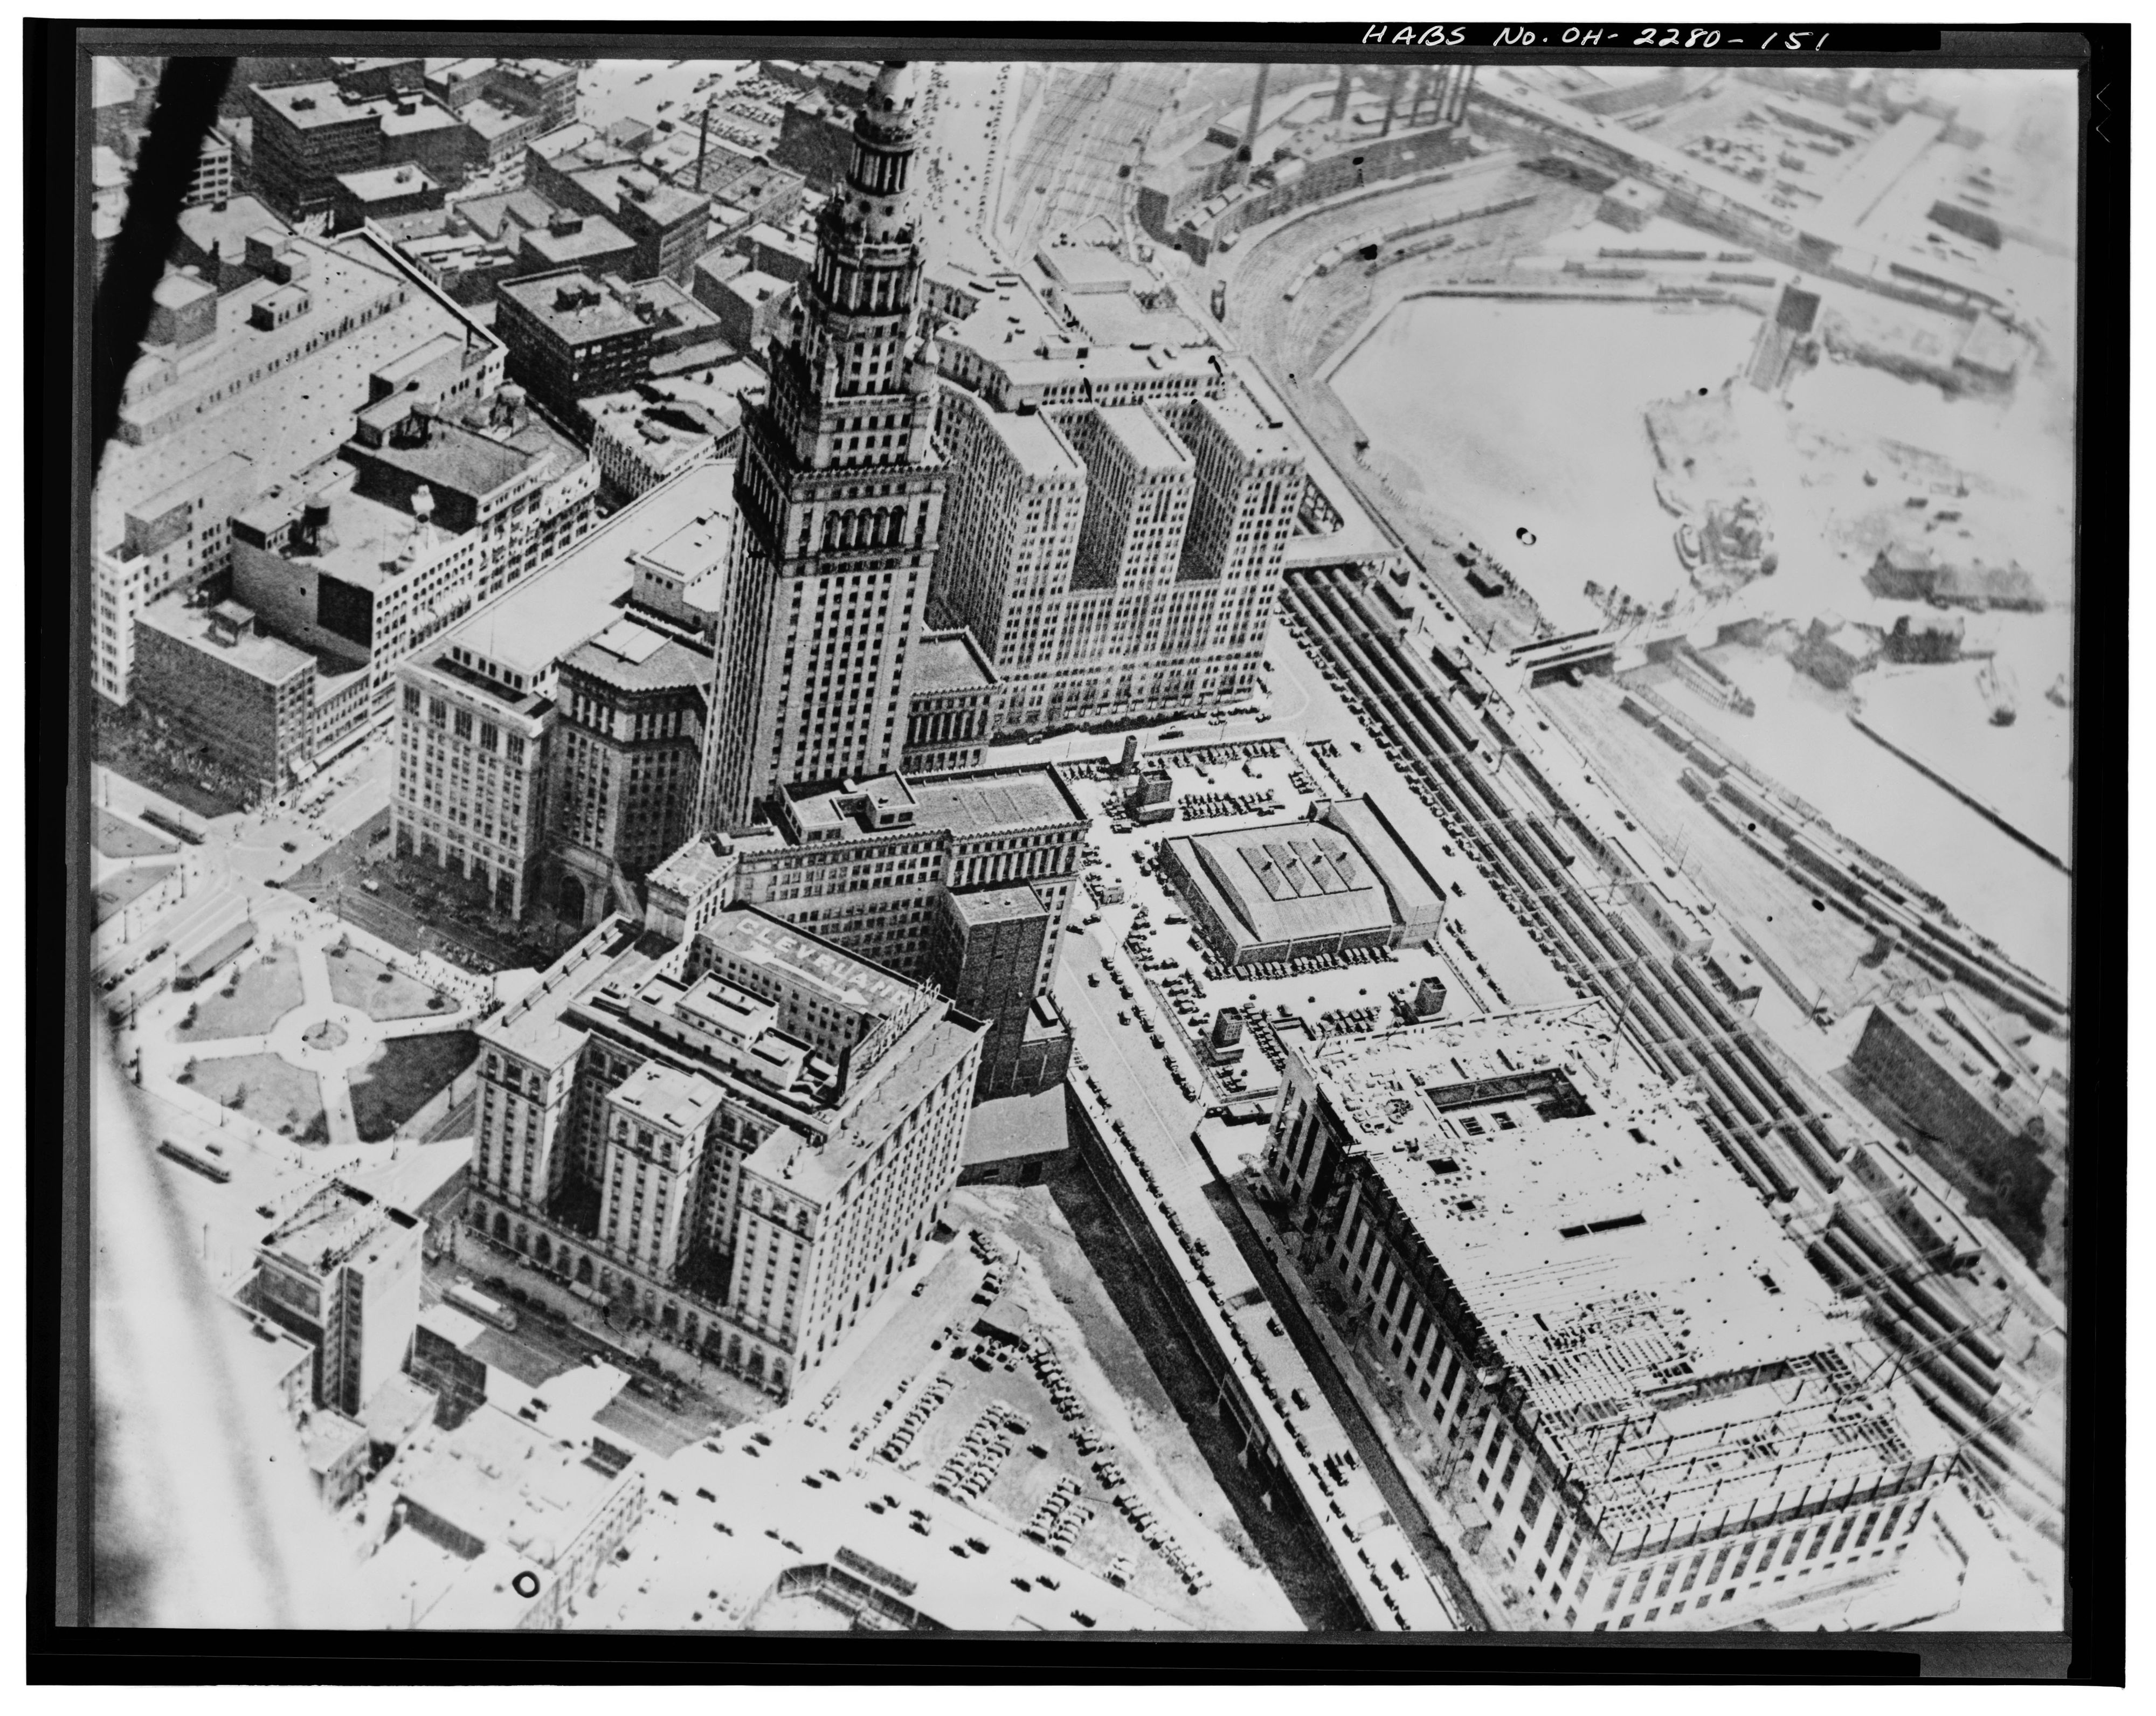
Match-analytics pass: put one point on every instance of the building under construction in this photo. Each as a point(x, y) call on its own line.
point(1651, 1410)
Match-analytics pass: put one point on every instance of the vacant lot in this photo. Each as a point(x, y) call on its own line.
point(395, 1085)
point(358, 980)
point(266, 1091)
point(250, 1004)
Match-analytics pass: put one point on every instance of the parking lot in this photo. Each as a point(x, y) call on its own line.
point(1005, 1400)
point(1184, 984)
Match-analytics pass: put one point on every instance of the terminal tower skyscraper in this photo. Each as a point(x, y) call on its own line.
point(840, 494)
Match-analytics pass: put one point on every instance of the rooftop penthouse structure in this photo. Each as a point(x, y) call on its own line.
point(1660, 1413)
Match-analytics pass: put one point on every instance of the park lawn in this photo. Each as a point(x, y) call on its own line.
point(117, 837)
point(359, 979)
point(267, 1091)
point(247, 1007)
point(403, 1076)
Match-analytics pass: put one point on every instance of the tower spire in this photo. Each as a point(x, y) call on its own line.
point(840, 494)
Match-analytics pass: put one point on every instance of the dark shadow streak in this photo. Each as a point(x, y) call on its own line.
point(187, 96)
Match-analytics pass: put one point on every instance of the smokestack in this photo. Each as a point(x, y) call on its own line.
point(1393, 100)
point(1251, 128)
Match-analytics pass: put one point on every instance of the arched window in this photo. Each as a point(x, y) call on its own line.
point(542, 1249)
point(584, 1271)
point(501, 1227)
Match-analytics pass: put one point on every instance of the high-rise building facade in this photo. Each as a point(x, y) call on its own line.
point(744, 1134)
point(1116, 561)
point(627, 743)
point(840, 494)
point(589, 644)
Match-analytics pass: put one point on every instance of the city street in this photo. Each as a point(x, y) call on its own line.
point(540, 1346)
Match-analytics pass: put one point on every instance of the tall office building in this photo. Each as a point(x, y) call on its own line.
point(840, 495)
point(744, 1135)
point(1118, 560)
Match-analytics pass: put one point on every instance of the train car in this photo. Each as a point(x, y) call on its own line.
point(173, 826)
point(207, 1166)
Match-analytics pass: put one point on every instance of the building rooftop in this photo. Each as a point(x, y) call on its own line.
point(1150, 446)
point(272, 1352)
point(1675, 1349)
point(528, 1485)
point(376, 544)
point(681, 1573)
point(1005, 1127)
point(483, 119)
point(667, 1096)
point(1119, 319)
point(814, 1167)
point(573, 306)
point(269, 659)
point(309, 106)
point(454, 459)
point(338, 1224)
point(566, 139)
point(595, 236)
point(802, 960)
point(416, 1582)
point(328, 1436)
point(542, 617)
point(280, 427)
point(512, 212)
point(636, 658)
point(1085, 269)
point(980, 802)
point(533, 1028)
point(453, 70)
point(753, 286)
point(1287, 882)
point(985, 906)
point(629, 182)
point(225, 227)
point(385, 184)
point(690, 868)
point(898, 1038)
point(1259, 437)
point(987, 800)
point(1034, 443)
point(950, 661)
point(226, 478)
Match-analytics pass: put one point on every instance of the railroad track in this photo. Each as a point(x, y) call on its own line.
point(1758, 1119)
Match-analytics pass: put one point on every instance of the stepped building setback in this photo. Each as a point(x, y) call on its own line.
point(1653, 1412)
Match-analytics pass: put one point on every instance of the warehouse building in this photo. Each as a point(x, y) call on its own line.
point(1305, 889)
